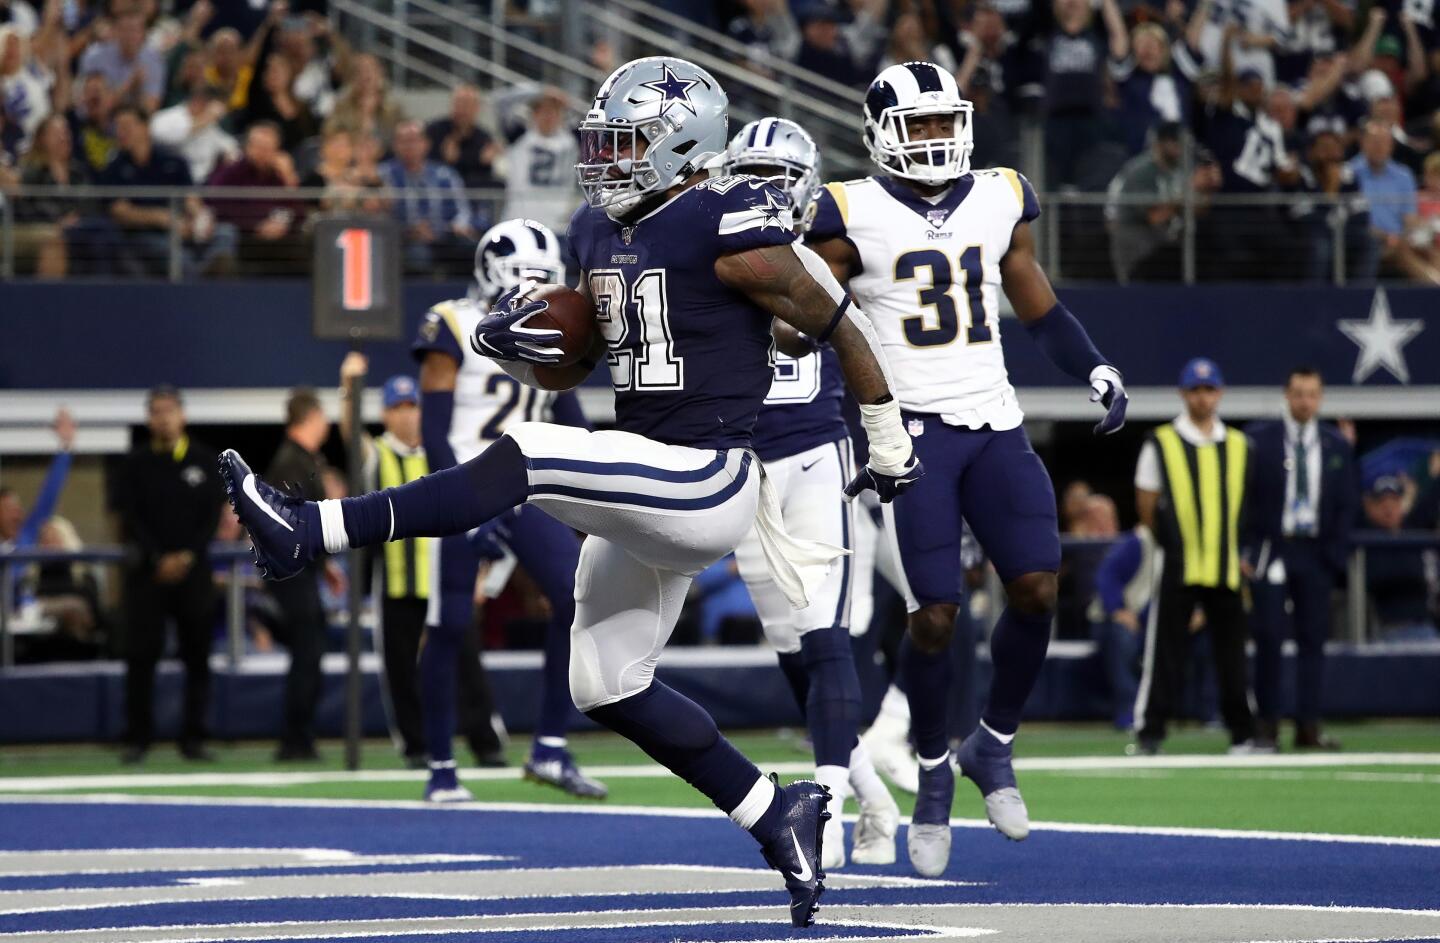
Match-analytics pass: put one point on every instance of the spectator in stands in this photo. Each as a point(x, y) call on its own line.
point(1145, 207)
point(1399, 579)
point(824, 49)
point(91, 125)
point(1099, 522)
point(1124, 583)
point(1154, 78)
point(314, 56)
point(365, 105)
point(1385, 109)
point(1317, 27)
point(431, 206)
point(1389, 188)
point(274, 100)
point(68, 593)
point(148, 221)
point(269, 227)
point(1337, 201)
point(20, 530)
point(19, 15)
point(460, 143)
point(1426, 235)
point(193, 130)
point(349, 185)
point(185, 61)
point(539, 165)
point(26, 85)
point(1075, 58)
point(169, 496)
point(1250, 148)
point(997, 137)
point(910, 43)
point(54, 228)
point(768, 29)
point(133, 69)
point(302, 627)
point(1072, 504)
point(989, 51)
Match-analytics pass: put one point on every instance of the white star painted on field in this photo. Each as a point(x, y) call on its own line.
point(1381, 340)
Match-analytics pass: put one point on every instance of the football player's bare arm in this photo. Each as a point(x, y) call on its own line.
point(438, 372)
point(842, 257)
point(1025, 282)
point(789, 341)
point(775, 278)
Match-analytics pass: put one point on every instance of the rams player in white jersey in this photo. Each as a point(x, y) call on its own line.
point(802, 438)
point(467, 403)
point(925, 246)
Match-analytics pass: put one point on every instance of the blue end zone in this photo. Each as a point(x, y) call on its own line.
point(1051, 867)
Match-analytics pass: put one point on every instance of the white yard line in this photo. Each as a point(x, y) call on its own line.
point(597, 808)
point(651, 771)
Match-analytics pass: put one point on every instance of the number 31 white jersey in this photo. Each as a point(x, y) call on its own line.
point(487, 399)
point(930, 283)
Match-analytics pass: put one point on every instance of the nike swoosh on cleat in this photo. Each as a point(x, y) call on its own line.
point(804, 874)
point(253, 494)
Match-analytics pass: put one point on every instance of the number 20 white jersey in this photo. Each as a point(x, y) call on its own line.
point(930, 283)
point(487, 399)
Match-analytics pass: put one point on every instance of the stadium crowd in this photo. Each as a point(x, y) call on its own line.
point(1326, 113)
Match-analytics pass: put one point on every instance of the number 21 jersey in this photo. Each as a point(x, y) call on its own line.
point(929, 280)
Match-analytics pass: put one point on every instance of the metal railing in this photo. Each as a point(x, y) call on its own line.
point(237, 560)
point(1227, 238)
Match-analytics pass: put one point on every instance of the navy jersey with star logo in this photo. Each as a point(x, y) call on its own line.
point(690, 358)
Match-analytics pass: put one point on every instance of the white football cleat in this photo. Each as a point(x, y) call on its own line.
point(893, 759)
point(832, 847)
point(874, 837)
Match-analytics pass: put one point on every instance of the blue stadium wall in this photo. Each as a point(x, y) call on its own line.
point(258, 334)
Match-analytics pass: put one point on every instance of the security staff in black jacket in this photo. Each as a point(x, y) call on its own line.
point(169, 497)
point(298, 465)
point(1299, 511)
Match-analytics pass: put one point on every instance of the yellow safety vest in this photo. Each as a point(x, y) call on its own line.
point(1205, 491)
point(407, 562)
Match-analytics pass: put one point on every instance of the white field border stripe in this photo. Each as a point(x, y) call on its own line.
point(652, 771)
point(692, 813)
point(657, 918)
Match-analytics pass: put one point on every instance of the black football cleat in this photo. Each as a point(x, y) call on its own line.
point(794, 848)
point(284, 530)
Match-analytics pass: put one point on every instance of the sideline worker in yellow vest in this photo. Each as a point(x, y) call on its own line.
point(1190, 491)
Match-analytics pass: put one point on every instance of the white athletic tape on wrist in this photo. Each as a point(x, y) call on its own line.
point(332, 527)
point(890, 447)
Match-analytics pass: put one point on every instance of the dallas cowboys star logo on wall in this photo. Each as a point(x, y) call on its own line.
point(1381, 339)
point(674, 89)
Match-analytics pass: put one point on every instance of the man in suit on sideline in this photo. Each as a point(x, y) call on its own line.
point(1302, 503)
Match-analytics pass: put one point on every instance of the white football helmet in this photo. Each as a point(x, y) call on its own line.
point(918, 89)
point(780, 151)
point(514, 252)
point(679, 110)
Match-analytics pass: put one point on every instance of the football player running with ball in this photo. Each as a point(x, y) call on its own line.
point(686, 275)
point(925, 247)
point(802, 438)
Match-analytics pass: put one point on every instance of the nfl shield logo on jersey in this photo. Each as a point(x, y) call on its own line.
point(937, 217)
point(916, 427)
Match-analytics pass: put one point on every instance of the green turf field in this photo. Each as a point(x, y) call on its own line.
point(1386, 782)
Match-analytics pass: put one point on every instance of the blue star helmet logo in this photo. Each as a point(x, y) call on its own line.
point(673, 89)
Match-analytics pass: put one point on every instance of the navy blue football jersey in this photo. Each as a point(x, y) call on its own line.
point(804, 408)
point(690, 358)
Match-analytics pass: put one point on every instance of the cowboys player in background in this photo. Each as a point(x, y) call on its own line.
point(802, 438)
point(686, 274)
point(925, 246)
point(467, 403)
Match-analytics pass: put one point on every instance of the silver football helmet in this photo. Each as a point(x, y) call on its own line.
point(514, 252)
point(917, 90)
point(780, 151)
point(674, 107)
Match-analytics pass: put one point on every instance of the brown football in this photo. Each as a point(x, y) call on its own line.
point(570, 313)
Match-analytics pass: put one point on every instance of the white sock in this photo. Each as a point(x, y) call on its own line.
point(865, 783)
point(932, 764)
point(837, 780)
point(896, 704)
point(332, 527)
point(755, 804)
point(1002, 737)
point(893, 721)
point(555, 743)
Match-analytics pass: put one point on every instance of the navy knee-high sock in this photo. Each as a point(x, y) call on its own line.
point(1017, 649)
point(556, 703)
point(437, 675)
point(792, 665)
point(926, 684)
point(832, 707)
point(444, 503)
point(678, 734)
